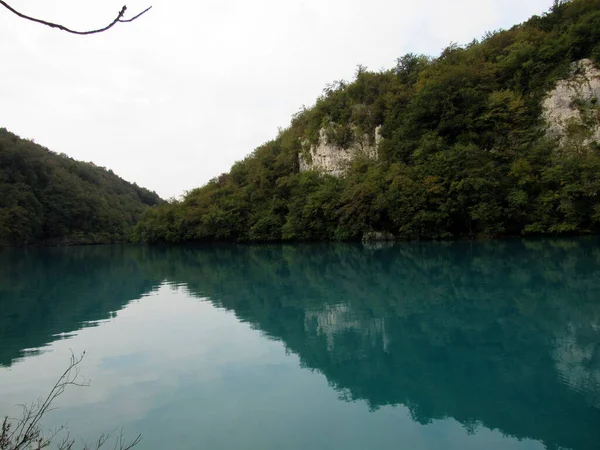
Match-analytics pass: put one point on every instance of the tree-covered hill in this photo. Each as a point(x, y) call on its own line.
point(46, 198)
point(463, 151)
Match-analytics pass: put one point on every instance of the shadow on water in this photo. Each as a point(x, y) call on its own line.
point(503, 334)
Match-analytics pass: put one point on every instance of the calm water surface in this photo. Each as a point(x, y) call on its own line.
point(414, 346)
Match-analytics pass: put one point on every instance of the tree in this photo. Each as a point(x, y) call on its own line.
point(118, 19)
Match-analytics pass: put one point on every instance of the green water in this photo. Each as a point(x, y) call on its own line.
point(411, 346)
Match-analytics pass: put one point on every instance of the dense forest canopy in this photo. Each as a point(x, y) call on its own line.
point(463, 151)
point(46, 198)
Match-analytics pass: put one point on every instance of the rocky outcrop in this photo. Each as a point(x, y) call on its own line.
point(377, 236)
point(333, 159)
point(572, 109)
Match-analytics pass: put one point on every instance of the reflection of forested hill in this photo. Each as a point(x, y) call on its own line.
point(504, 334)
point(44, 292)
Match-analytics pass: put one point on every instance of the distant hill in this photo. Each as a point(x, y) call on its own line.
point(497, 137)
point(47, 198)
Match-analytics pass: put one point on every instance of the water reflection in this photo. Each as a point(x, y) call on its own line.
point(502, 335)
point(46, 294)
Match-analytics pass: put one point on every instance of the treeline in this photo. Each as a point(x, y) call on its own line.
point(46, 198)
point(463, 151)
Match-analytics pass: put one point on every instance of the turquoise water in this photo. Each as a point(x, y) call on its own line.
point(409, 346)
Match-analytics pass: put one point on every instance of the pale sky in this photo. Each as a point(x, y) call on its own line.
point(176, 97)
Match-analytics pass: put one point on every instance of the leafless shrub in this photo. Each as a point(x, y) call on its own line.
point(26, 433)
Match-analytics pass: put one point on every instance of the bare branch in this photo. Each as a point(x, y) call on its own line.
point(117, 20)
point(33, 416)
point(66, 443)
point(133, 443)
point(135, 17)
point(25, 433)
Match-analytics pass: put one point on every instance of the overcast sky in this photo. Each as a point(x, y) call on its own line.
point(174, 98)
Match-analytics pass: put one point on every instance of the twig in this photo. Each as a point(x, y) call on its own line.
point(118, 19)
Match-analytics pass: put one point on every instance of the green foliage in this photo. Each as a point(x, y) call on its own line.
point(50, 198)
point(463, 151)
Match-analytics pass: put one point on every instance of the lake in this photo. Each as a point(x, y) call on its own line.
point(465, 345)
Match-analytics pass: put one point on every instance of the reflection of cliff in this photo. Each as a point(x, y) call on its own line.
point(502, 334)
point(334, 320)
point(579, 365)
point(470, 331)
point(47, 292)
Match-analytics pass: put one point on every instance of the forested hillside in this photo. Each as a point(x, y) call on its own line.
point(463, 151)
point(46, 198)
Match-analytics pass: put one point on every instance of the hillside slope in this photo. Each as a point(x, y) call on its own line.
point(46, 198)
point(434, 148)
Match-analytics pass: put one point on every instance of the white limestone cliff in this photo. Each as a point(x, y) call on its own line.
point(571, 112)
point(572, 109)
point(333, 159)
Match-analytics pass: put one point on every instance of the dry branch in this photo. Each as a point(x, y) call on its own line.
point(25, 433)
point(118, 19)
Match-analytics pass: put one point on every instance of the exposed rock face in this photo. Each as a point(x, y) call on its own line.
point(572, 108)
point(377, 236)
point(332, 159)
point(377, 240)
